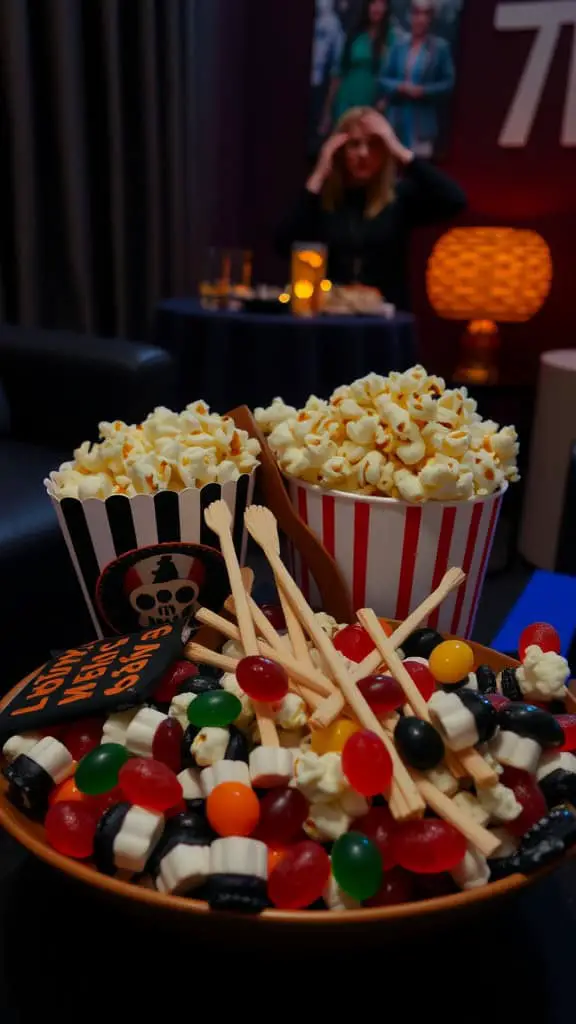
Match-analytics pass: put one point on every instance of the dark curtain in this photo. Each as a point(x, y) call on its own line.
point(101, 211)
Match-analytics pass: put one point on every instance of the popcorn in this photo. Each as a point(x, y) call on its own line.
point(168, 451)
point(406, 436)
point(543, 675)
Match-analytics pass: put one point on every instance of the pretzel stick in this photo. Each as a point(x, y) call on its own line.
point(195, 652)
point(445, 808)
point(217, 517)
point(474, 765)
point(311, 677)
point(405, 801)
point(449, 582)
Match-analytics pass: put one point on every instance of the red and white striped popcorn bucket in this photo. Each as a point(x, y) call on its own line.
point(393, 554)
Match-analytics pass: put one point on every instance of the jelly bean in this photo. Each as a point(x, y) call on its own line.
point(300, 877)
point(275, 615)
point(378, 825)
point(275, 855)
point(283, 811)
point(451, 661)
point(568, 725)
point(529, 795)
point(428, 845)
point(366, 763)
point(83, 736)
point(172, 680)
point(421, 643)
point(357, 865)
point(71, 827)
point(418, 743)
point(233, 809)
point(397, 887)
point(386, 626)
point(98, 771)
point(334, 738)
point(149, 784)
point(353, 642)
point(167, 744)
point(216, 708)
point(539, 634)
point(497, 700)
point(422, 676)
point(262, 679)
point(382, 693)
point(67, 791)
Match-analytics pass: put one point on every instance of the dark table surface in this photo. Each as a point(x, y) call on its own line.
point(243, 358)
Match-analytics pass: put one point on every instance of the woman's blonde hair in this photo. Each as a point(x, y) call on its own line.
point(380, 190)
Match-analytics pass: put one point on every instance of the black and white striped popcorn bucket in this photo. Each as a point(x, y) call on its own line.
point(393, 554)
point(98, 531)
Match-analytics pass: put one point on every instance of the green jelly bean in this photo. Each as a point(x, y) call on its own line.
point(357, 865)
point(214, 708)
point(98, 771)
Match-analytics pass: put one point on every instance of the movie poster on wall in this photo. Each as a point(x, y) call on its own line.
point(398, 56)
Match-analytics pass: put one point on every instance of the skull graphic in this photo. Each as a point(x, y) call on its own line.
point(164, 587)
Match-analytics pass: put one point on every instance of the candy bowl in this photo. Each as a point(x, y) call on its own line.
point(334, 776)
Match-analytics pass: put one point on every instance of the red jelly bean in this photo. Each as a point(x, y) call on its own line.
point(354, 642)
point(379, 825)
point(568, 724)
point(262, 679)
point(172, 680)
point(428, 846)
point(71, 827)
point(300, 877)
point(167, 744)
point(83, 736)
point(422, 676)
point(366, 763)
point(542, 635)
point(397, 887)
point(149, 784)
point(382, 693)
point(283, 811)
point(275, 615)
point(528, 793)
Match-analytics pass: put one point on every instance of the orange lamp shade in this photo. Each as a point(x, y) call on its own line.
point(489, 273)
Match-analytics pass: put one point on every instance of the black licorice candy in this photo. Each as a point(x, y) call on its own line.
point(29, 785)
point(531, 722)
point(509, 685)
point(237, 749)
point(484, 713)
point(421, 643)
point(244, 893)
point(486, 679)
point(418, 743)
point(559, 787)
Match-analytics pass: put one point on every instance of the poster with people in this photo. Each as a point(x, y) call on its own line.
point(395, 55)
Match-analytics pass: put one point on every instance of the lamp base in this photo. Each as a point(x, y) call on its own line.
point(478, 363)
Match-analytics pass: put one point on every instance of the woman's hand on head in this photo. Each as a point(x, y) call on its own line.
point(325, 161)
point(377, 125)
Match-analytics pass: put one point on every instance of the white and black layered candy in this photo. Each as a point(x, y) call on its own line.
point(525, 731)
point(204, 747)
point(464, 718)
point(556, 775)
point(32, 776)
point(238, 875)
point(125, 838)
point(181, 861)
point(542, 844)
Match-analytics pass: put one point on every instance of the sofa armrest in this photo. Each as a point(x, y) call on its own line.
point(60, 385)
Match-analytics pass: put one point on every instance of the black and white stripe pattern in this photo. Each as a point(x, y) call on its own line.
point(97, 532)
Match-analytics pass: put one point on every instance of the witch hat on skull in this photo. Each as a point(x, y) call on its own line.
point(161, 583)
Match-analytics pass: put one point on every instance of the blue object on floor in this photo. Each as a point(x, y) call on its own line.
point(548, 597)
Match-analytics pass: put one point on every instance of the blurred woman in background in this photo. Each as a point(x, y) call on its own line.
point(354, 204)
point(359, 64)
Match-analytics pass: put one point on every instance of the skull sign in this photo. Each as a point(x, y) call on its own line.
point(159, 590)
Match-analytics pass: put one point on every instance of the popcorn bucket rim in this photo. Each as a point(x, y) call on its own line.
point(375, 499)
point(48, 485)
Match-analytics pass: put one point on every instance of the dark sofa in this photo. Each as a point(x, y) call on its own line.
point(54, 389)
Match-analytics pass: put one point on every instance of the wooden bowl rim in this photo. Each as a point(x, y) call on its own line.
point(19, 827)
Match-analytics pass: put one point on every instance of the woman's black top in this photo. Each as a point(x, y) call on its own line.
point(374, 250)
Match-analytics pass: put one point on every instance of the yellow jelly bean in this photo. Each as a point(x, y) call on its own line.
point(451, 661)
point(338, 733)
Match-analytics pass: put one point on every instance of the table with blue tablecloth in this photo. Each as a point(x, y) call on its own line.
point(243, 358)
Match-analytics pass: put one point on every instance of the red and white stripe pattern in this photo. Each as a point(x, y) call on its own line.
point(393, 554)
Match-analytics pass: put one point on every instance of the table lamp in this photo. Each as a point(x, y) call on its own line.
point(484, 275)
point(308, 273)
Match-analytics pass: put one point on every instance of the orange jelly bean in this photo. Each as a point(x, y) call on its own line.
point(233, 809)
